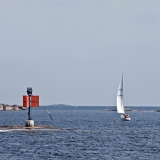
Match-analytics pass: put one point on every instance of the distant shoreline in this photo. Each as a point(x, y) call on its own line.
point(66, 105)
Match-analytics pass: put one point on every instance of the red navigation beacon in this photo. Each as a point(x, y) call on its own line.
point(34, 101)
point(30, 101)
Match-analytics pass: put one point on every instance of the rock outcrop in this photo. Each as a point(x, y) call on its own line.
point(6, 107)
point(15, 107)
point(126, 109)
point(1, 107)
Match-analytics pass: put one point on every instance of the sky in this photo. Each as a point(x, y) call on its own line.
point(74, 52)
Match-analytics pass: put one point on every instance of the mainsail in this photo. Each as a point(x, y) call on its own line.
point(120, 104)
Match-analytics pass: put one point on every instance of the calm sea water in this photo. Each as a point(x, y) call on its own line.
point(95, 134)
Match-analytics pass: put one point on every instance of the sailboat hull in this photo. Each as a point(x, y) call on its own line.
point(125, 118)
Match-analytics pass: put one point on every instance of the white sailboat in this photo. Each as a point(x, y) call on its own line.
point(120, 102)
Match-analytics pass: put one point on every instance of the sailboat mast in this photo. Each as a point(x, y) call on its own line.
point(122, 84)
point(122, 90)
point(122, 94)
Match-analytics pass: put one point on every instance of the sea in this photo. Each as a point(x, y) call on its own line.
point(86, 133)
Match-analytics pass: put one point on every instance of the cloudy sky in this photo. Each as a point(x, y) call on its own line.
point(75, 51)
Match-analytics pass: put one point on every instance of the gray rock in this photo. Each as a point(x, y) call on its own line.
point(1, 107)
point(126, 109)
point(22, 108)
point(15, 107)
point(7, 107)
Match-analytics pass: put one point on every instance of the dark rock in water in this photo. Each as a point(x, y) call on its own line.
point(158, 110)
point(126, 109)
point(22, 108)
point(137, 110)
point(107, 110)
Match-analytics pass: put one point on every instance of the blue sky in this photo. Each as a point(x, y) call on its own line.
point(74, 52)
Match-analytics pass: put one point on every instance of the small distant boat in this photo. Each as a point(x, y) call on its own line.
point(120, 103)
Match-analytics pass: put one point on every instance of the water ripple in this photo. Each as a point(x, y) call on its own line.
point(92, 134)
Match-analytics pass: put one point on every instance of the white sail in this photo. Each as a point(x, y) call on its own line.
point(120, 104)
